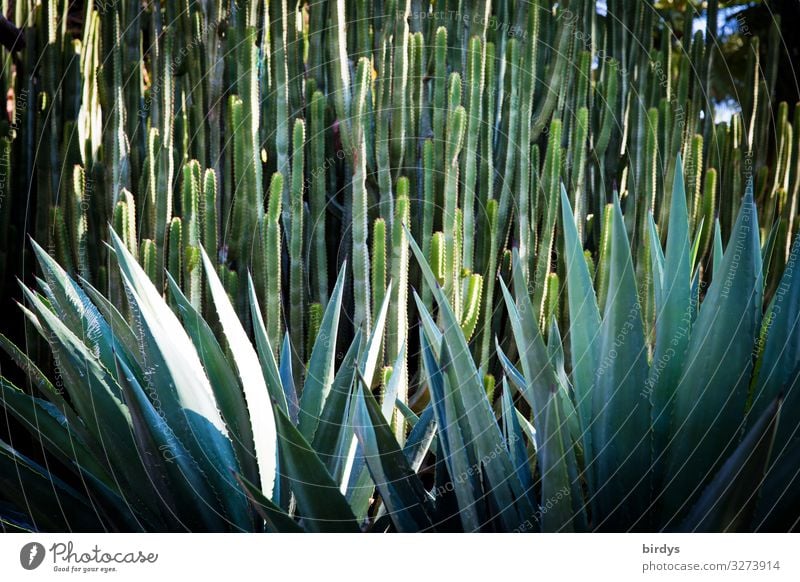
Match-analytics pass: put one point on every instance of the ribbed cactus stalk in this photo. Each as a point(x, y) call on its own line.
point(603, 265)
point(165, 145)
point(455, 138)
point(510, 143)
point(428, 207)
point(490, 279)
point(190, 210)
point(400, 83)
point(361, 278)
point(247, 207)
point(125, 219)
point(383, 121)
point(61, 239)
point(279, 23)
point(523, 168)
point(709, 210)
point(315, 312)
point(489, 386)
point(297, 292)
point(318, 194)
point(551, 298)
point(550, 189)
point(378, 263)
point(273, 285)
point(472, 304)
point(694, 183)
point(439, 108)
point(80, 222)
point(397, 329)
point(147, 257)
point(486, 177)
point(437, 257)
point(474, 119)
point(175, 261)
point(210, 215)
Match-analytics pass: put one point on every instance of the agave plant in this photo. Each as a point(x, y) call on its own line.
point(163, 427)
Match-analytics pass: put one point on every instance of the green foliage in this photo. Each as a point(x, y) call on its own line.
point(568, 283)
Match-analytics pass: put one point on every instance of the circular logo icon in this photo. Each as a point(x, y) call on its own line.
point(31, 555)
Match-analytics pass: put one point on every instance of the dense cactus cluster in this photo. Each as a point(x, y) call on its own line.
point(395, 266)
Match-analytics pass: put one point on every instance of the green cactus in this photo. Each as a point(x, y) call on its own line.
point(397, 329)
point(297, 291)
point(361, 286)
point(378, 263)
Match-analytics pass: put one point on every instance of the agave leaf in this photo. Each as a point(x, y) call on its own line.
point(224, 382)
point(117, 324)
point(555, 351)
point(573, 443)
point(780, 492)
point(421, 439)
point(516, 444)
point(320, 374)
point(718, 252)
point(57, 507)
point(393, 386)
point(729, 501)
point(89, 386)
point(400, 488)
point(674, 311)
point(355, 475)
point(186, 497)
point(409, 415)
point(277, 521)
point(712, 393)
point(184, 392)
point(460, 368)
point(554, 463)
point(13, 523)
point(620, 409)
point(285, 398)
point(695, 245)
point(781, 344)
point(54, 430)
point(540, 380)
point(527, 428)
point(428, 324)
point(454, 444)
point(584, 316)
point(286, 373)
point(76, 310)
point(321, 504)
point(43, 384)
point(553, 444)
point(767, 250)
point(657, 261)
point(256, 394)
point(333, 422)
point(510, 369)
